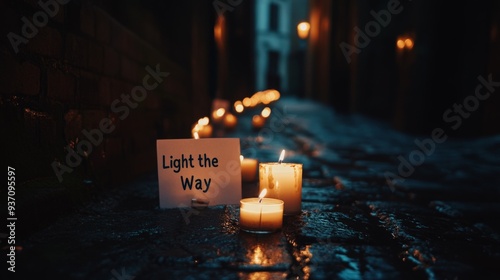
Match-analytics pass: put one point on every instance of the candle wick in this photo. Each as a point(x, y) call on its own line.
point(260, 199)
point(260, 217)
point(282, 156)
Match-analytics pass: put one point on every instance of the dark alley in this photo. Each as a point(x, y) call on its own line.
point(250, 139)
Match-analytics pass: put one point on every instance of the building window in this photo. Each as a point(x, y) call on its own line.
point(274, 17)
point(273, 79)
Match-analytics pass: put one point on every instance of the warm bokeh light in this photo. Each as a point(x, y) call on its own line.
point(247, 102)
point(238, 106)
point(254, 100)
point(258, 121)
point(217, 114)
point(260, 97)
point(220, 112)
point(266, 112)
point(230, 121)
point(405, 43)
point(400, 43)
point(218, 31)
point(409, 43)
point(303, 29)
point(273, 94)
point(202, 129)
point(203, 121)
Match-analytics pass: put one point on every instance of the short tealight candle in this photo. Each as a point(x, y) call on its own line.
point(261, 215)
point(249, 168)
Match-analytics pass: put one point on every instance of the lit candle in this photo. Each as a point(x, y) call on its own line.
point(218, 114)
point(196, 135)
point(205, 131)
point(248, 169)
point(303, 29)
point(238, 106)
point(261, 215)
point(230, 121)
point(266, 112)
point(258, 121)
point(283, 181)
point(202, 129)
point(404, 44)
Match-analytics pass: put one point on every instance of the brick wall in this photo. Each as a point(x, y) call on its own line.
point(65, 79)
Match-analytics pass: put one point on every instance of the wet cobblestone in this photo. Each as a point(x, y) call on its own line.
point(441, 222)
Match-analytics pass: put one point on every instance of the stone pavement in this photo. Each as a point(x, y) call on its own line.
point(376, 205)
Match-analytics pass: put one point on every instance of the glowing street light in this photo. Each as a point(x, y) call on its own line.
point(303, 29)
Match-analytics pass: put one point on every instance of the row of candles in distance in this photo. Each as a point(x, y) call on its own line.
point(203, 128)
point(280, 183)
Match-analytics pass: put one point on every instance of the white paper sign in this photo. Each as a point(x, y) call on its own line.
point(205, 169)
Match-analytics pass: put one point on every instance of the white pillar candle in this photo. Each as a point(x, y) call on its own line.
point(283, 181)
point(261, 217)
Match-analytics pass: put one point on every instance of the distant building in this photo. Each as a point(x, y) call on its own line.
point(272, 43)
point(275, 41)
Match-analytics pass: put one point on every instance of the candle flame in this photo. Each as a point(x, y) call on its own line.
point(282, 156)
point(195, 135)
point(238, 106)
point(266, 112)
point(241, 158)
point(220, 112)
point(400, 43)
point(262, 194)
point(303, 29)
point(409, 43)
point(203, 121)
point(247, 102)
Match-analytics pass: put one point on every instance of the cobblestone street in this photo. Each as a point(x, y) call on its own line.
point(364, 214)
